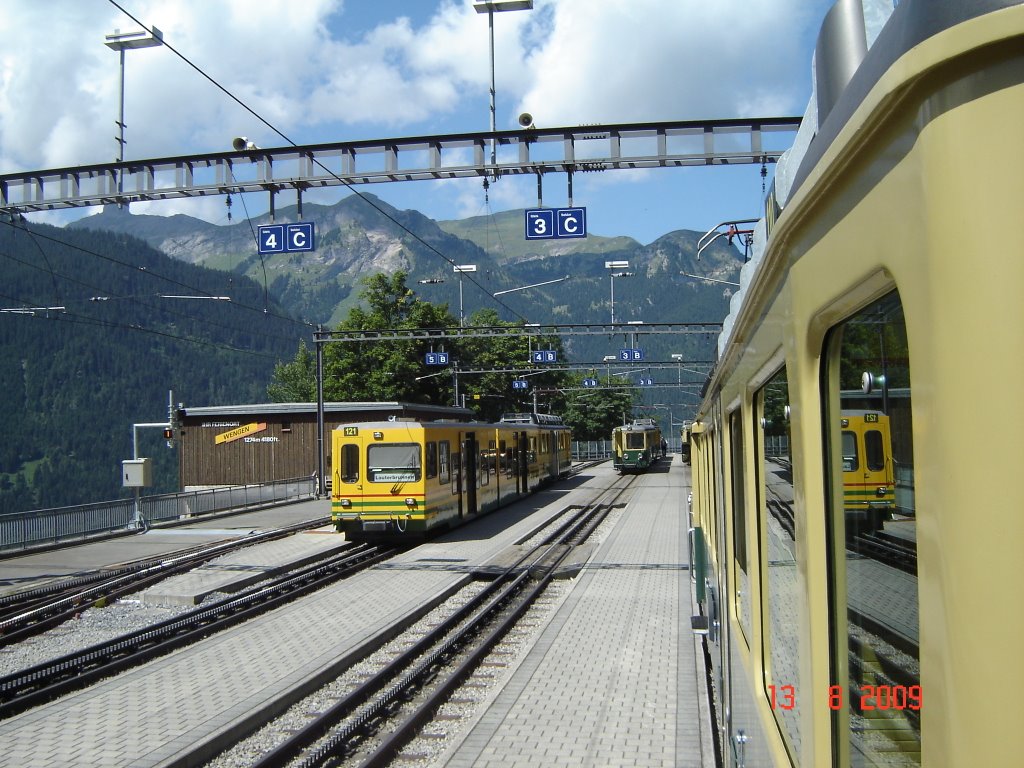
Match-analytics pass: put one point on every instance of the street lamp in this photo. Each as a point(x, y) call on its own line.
point(490, 8)
point(616, 265)
point(679, 367)
point(459, 269)
point(122, 41)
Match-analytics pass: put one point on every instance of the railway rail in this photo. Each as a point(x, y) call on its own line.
point(29, 613)
point(431, 663)
point(46, 681)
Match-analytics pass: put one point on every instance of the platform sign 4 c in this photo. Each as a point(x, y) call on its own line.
point(555, 223)
point(287, 238)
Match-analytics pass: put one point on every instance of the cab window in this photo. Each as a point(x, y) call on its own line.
point(393, 463)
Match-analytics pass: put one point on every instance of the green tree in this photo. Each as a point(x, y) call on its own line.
point(295, 382)
point(491, 394)
point(594, 414)
point(373, 370)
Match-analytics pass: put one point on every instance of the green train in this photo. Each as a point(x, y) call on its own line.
point(636, 446)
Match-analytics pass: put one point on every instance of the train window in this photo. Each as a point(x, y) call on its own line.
point(444, 461)
point(483, 469)
point(739, 521)
point(876, 693)
point(393, 462)
point(431, 460)
point(784, 586)
point(350, 463)
point(850, 462)
point(874, 453)
point(635, 440)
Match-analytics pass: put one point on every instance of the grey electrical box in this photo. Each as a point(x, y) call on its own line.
point(137, 473)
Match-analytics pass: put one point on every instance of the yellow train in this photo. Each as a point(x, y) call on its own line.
point(869, 485)
point(885, 279)
point(636, 446)
point(404, 479)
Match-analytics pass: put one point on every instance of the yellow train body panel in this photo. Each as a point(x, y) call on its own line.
point(890, 263)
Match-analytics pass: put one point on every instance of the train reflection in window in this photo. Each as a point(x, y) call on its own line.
point(876, 692)
point(784, 589)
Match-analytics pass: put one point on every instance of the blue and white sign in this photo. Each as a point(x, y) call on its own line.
point(555, 223)
point(590, 382)
point(540, 224)
point(520, 384)
point(646, 382)
point(544, 356)
point(571, 222)
point(631, 355)
point(287, 238)
point(437, 358)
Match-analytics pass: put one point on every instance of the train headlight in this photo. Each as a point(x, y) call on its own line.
point(345, 503)
point(410, 502)
point(880, 490)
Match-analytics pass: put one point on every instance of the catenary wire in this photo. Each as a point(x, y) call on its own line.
point(355, 191)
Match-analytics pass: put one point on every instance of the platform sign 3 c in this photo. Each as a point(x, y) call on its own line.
point(287, 238)
point(555, 223)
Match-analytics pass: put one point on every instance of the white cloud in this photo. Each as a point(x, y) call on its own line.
point(311, 70)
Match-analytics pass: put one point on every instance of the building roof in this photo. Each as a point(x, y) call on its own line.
point(258, 409)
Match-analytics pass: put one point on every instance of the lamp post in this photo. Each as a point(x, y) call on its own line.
point(459, 269)
point(616, 265)
point(122, 41)
point(679, 368)
point(490, 8)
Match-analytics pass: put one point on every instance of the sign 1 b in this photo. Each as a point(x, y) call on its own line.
point(287, 238)
point(555, 223)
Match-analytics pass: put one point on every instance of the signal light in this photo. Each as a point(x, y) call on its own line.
point(168, 433)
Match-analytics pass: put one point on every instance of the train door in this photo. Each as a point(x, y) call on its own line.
point(522, 444)
point(470, 452)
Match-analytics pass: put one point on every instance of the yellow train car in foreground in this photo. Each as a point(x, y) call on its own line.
point(404, 479)
point(889, 254)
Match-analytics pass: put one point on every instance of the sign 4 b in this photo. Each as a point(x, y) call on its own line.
point(555, 223)
point(287, 238)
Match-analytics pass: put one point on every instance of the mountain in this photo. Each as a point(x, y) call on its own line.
point(115, 340)
point(362, 235)
point(110, 336)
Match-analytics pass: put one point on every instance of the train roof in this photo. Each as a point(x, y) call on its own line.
point(638, 425)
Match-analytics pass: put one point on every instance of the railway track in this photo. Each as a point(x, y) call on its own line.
point(49, 680)
point(888, 549)
point(29, 613)
point(370, 723)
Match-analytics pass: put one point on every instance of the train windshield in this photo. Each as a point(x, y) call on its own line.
point(394, 463)
point(635, 440)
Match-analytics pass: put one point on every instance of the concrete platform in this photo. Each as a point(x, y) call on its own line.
point(244, 568)
point(617, 676)
point(37, 569)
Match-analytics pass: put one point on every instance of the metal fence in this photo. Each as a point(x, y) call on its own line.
point(591, 450)
point(26, 530)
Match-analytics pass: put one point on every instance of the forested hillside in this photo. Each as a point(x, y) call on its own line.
point(110, 334)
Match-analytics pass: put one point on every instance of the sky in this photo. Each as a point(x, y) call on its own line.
point(347, 70)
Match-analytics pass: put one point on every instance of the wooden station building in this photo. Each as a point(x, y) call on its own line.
point(244, 444)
